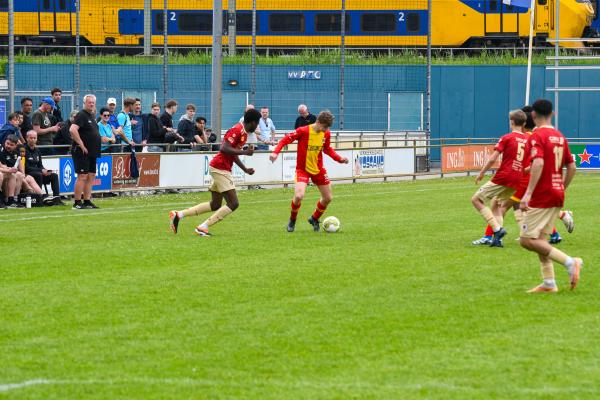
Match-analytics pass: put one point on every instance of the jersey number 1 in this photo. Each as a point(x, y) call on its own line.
point(558, 157)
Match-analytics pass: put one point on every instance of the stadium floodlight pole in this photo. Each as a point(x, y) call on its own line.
point(165, 51)
point(530, 51)
point(428, 89)
point(77, 52)
point(253, 66)
point(147, 27)
point(556, 51)
point(231, 26)
point(217, 69)
point(342, 64)
point(11, 55)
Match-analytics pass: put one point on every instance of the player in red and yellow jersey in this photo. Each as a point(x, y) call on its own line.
point(506, 180)
point(313, 141)
point(220, 170)
point(545, 195)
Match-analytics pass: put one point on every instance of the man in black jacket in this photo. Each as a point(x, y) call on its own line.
point(35, 168)
point(305, 117)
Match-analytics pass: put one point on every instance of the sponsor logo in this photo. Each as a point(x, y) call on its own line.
point(67, 175)
point(369, 162)
point(304, 74)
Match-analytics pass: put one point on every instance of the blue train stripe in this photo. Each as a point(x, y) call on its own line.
point(482, 6)
point(38, 6)
point(131, 22)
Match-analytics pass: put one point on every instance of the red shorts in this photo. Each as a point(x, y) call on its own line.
point(320, 179)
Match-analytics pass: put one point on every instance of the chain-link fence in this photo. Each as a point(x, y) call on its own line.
point(335, 54)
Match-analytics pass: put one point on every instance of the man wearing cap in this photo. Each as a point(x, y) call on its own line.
point(42, 125)
point(117, 129)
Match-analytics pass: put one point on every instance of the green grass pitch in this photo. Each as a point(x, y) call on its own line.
point(107, 304)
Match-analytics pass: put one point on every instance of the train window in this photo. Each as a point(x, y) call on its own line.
point(62, 5)
point(286, 22)
point(413, 22)
point(493, 5)
point(46, 5)
point(243, 22)
point(378, 22)
point(159, 22)
point(195, 22)
point(331, 22)
point(542, 2)
point(3, 5)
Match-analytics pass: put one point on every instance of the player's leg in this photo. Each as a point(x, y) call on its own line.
point(198, 209)
point(486, 239)
point(548, 284)
point(302, 179)
point(324, 186)
point(486, 192)
point(537, 224)
point(231, 204)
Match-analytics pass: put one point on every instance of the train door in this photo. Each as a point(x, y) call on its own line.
point(543, 13)
point(55, 16)
point(500, 19)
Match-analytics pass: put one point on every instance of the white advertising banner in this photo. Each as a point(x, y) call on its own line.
point(399, 161)
point(288, 165)
point(335, 169)
point(265, 170)
point(181, 170)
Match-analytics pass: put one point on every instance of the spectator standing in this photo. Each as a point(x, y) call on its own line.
point(137, 124)
point(156, 131)
point(42, 125)
point(126, 133)
point(26, 108)
point(305, 117)
point(85, 151)
point(34, 166)
point(267, 130)
point(201, 134)
point(167, 117)
point(107, 137)
point(12, 127)
point(57, 117)
point(212, 139)
point(63, 136)
point(187, 128)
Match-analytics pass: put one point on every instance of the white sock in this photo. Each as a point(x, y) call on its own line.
point(550, 283)
point(204, 226)
point(180, 214)
point(496, 230)
point(569, 264)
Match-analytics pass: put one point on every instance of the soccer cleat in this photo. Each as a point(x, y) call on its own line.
point(486, 240)
point(314, 223)
point(555, 238)
point(174, 219)
point(543, 289)
point(88, 205)
point(567, 219)
point(497, 239)
point(575, 271)
point(200, 231)
point(291, 225)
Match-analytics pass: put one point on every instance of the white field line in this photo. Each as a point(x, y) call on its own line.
point(108, 211)
point(299, 384)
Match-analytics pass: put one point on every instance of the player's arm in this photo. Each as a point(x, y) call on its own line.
point(487, 166)
point(327, 149)
point(537, 165)
point(287, 139)
point(227, 148)
point(74, 129)
point(239, 163)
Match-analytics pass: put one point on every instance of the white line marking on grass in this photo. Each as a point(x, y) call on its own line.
point(112, 210)
point(298, 384)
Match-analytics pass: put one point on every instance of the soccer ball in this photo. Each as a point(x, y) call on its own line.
point(331, 224)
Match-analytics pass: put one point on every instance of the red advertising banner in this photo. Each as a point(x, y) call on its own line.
point(148, 165)
point(466, 158)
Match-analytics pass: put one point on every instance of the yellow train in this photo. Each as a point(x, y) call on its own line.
point(369, 23)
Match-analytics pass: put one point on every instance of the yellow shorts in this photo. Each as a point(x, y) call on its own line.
point(538, 221)
point(491, 190)
point(222, 180)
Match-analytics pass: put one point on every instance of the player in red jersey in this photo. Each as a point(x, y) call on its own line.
point(506, 180)
point(545, 196)
point(220, 170)
point(313, 141)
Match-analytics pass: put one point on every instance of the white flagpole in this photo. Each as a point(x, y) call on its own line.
point(530, 52)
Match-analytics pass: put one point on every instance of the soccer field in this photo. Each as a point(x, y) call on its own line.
point(108, 303)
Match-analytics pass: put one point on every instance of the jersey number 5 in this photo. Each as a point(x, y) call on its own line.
point(520, 151)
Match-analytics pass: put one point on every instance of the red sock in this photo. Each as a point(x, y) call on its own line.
point(319, 210)
point(295, 209)
point(554, 231)
point(489, 231)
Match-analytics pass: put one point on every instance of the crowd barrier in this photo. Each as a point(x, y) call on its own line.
point(191, 170)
